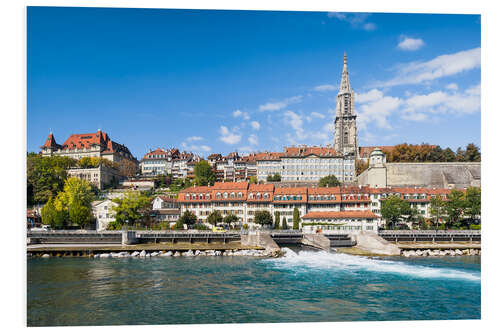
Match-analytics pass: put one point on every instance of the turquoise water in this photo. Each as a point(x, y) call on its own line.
point(304, 287)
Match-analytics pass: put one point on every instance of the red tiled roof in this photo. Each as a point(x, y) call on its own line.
point(338, 215)
point(323, 190)
point(291, 190)
point(51, 142)
point(261, 188)
point(230, 186)
point(307, 151)
point(268, 156)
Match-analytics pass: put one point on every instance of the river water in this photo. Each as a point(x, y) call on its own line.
point(303, 286)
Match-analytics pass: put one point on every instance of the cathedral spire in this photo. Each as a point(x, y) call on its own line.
point(345, 85)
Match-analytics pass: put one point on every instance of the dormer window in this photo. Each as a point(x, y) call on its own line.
point(232, 195)
point(266, 196)
point(250, 196)
point(240, 195)
point(187, 196)
point(258, 196)
point(207, 196)
point(218, 195)
point(225, 195)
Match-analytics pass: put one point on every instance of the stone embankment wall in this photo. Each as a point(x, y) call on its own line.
point(261, 239)
point(436, 252)
point(373, 243)
point(317, 241)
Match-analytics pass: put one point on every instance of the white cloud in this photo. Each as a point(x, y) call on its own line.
point(369, 96)
point(239, 113)
point(418, 107)
point(194, 138)
point(410, 44)
point(228, 136)
point(255, 125)
point(324, 87)
point(195, 148)
point(452, 86)
point(317, 115)
point(376, 108)
point(245, 149)
point(275, 106)
point(356, 20)
point(295, 121)
point(441, 66)
point(253, 140)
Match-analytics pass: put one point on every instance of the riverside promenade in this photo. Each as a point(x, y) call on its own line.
point(388, 242)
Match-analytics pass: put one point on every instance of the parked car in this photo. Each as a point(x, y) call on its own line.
point(218, 229)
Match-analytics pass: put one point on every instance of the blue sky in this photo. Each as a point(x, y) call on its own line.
point(220, 81)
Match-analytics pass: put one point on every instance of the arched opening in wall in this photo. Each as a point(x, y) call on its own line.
point(346, 138)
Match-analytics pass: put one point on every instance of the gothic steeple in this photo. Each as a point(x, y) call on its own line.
point(345, 86)
point(346, 134)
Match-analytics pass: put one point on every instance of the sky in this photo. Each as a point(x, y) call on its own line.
point(247, 81)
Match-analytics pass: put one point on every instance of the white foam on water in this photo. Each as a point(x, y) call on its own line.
point(306, 260)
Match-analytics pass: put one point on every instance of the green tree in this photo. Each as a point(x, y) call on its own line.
point(203, 173)
point(276, 220)
point(230, 219)
point(437, 209)
point(454, 206)
point(51, 216)
point(214, 217)
point(449, 155)
point(284, 224)
point(180, 184)
point(472, 205)
point(393, 208)
point(80, 214)
point(131, 208)
point(460, 155)
point(361, 166)
point(274, 178)
point(187, 218)
point(296, 218)
point(329, 181)
point(253, 180)
point(45, 176)
point(472, 153)
point(263, 217)
point(77, 191)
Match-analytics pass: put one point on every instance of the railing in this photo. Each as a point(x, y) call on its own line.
point(425, 232)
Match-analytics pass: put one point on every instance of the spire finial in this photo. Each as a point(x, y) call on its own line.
point(345, 58)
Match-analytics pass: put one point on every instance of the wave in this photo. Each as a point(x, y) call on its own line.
point(307, 260)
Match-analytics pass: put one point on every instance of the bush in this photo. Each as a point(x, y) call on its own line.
point(199, 226)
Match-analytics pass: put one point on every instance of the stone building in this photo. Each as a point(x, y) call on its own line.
point(425, 174)
point(346, 133)
point(97, 144)
point(99, 176)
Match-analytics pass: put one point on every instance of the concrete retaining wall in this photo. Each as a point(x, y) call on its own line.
point(371, 242)
point(317, 241)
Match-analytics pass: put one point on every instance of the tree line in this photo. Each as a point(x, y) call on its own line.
point(431, 153)
point(459, 210)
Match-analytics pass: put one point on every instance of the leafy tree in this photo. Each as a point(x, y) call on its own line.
point(472, 153)
point(296, 218)
point(127, 168)
point(263, 217)
point(231, 218)
point(437, 209)
point(80, 214)
point(274, 178)
point(253, 180)
point(460, 155)
point(276, 220)
point(393, 208)
point(163, 180)
point(361, 166)
point(51, 216)
point(454, 206)
point(329, 181)
point(131, 208)
point(214, 217)
point(45, 176)
point(436, 154)
point(204, 174)
point(449, 155)
point(180, 184)
point(473, 202)
point(77, 191)
point(187, 218)
point(284, 224)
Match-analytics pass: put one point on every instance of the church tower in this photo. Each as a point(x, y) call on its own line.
point(346, 133)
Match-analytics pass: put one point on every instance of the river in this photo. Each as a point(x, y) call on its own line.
point(302, 286)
